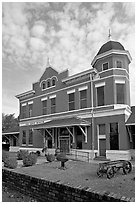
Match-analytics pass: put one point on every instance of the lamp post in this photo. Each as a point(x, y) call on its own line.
point(93, 76)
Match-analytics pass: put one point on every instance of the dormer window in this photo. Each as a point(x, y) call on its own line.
point(118, 64)
point(105, 66)
point(44, 86)
point(48, 83)
point(53, 82)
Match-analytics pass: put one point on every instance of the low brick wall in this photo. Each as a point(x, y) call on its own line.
point(54, 191)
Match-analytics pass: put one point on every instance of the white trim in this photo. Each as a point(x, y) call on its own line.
point(30, 102)
point(89, 71)
point(122, 52)
point(44, 99)
point(114, 68)
point(100, 84)
point(119, 81)
point(71, 91)
point(52, 96)
point(102, 137)
point(83, 88)
point(23, 104)
point(107, 62)
point(25, 93)
point(74, 112)
point(120, 76)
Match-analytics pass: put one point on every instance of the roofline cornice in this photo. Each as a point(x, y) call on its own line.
point(121, 52)
point(89, 71)
point(25, 94)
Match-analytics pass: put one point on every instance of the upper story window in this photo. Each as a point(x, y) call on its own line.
point(100, 87)
point(24, 110)
point(24, 137)
point(44, 107)
point(105, 66)
point(120, 90)
point(30, 109)
point(100, 96)
point(43, 85)
point(71, 101)
point(30, 137)
point(53, 104)
point(48, 84)
point(53, 82)
point(118, 64)
point(83, 99)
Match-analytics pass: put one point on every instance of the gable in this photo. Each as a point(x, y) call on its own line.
point(48, 73)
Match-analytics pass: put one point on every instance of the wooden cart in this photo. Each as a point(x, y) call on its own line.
point(110, 168)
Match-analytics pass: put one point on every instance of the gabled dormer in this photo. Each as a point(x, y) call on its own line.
point(48, 79)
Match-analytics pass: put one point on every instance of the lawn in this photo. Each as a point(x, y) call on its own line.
point(82, 173)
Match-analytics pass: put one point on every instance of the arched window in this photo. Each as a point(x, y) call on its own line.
point(43, 85)
point(48, 83)
point(53, 82)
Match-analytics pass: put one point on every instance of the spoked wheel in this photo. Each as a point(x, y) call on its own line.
point(127, 167)
point(110, 173)
point(99, 173)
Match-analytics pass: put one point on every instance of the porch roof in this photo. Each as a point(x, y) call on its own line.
point(64, 122)
point(131, 119)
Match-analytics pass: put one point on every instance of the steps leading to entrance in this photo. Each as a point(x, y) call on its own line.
point(101, 158)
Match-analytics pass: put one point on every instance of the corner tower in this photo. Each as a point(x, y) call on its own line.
point(112, 62)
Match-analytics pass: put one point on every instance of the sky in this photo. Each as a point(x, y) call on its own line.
point(69, 34)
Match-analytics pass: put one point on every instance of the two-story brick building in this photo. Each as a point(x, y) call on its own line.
point(86, 111)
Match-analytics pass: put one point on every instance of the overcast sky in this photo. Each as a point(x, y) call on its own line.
point(70, 34)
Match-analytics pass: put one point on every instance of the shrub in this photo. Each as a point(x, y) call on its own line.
point(30, 159)
point(5, 155)
point(50, 157)
point(38, 153)
point(21, 154)
point(10, 162)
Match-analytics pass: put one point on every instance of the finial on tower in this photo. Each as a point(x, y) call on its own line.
point(109, 35)
point(48, 62)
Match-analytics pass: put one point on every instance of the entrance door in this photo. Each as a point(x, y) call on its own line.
point(102, 147)
point(64, 144)
point(102, 139)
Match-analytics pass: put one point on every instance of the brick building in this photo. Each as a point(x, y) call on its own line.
point(86, 112)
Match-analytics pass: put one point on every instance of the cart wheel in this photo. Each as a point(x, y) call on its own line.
point(127, 167)
point(110, 173)
point(99, 173)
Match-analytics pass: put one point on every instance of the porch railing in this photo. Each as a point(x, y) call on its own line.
point(79, 155)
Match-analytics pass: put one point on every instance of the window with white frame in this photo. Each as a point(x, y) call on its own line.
point(83, 99)
point(44, 107)
point(24, 111)
point(105, 66)
point(71, 101)
point(24, 137)
point(100, 96)
point(53, 105)
point(118, 64)
point(30, 109)
point(30, 137)
point(120, 93)
point(43, 85)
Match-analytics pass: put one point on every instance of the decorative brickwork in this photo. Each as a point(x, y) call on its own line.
point(56, 191)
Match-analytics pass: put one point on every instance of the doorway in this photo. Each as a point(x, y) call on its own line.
point(102, 139)
point(64, 144)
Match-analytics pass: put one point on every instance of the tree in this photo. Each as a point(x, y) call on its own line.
point(9, 123)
